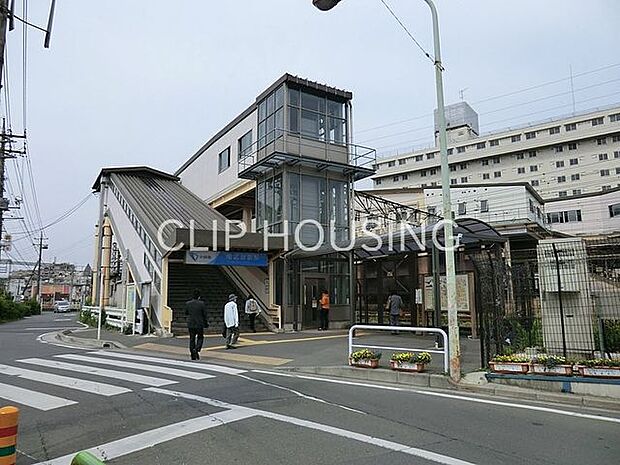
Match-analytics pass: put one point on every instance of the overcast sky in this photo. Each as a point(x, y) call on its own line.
point(139, 82)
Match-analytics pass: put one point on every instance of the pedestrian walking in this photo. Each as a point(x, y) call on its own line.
point(252, 310)
point(394, 305)
point(324, 311)
point(196, 313)
point(231, 320)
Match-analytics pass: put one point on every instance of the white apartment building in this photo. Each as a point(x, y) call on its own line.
point(560, 158)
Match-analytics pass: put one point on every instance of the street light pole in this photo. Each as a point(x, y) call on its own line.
point(453, 327)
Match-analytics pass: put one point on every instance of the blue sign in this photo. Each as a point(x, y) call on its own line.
point(226, 258)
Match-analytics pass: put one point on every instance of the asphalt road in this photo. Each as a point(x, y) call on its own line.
point(139, 408)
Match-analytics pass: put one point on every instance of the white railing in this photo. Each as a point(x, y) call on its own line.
point(115, 317)
point(444, 352)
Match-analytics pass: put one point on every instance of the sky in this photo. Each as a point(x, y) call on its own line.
point(143, 82)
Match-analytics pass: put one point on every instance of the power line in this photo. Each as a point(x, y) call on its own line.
point(415, 41)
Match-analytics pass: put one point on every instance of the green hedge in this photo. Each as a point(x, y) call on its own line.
point(10, 310)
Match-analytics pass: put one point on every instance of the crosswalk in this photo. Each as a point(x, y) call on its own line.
point(93, 374)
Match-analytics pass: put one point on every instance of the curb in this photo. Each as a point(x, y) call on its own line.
point(66, 338)
point(430, 380)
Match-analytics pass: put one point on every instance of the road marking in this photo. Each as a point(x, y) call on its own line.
point(254, 359)
point(151, 438)
point(168, 361)
point(448, 396)
point(33, 399)
point(138, 366)
point(58, 328)
point(132, 377)
point(364, 438)
point(64, 319)
point(252, 342)
point(93, 387)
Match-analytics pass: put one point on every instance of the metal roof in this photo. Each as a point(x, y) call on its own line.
point(472, 231)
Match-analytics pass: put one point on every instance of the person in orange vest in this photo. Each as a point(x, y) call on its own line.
point(324, 311)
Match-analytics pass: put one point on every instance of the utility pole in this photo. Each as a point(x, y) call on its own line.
point(39, 264)
point(4, 204)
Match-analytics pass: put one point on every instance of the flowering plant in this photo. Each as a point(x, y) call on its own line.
point(601, 362)
point(514, 358)
point(365, 354)
point(410, 357)
point(549, 361)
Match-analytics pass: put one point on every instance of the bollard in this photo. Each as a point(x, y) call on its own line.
point(86, 458)
point(9, 417)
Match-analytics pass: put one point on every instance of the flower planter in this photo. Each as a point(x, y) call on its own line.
point(599, 372)
point(364, 363)
point(407, 366)
point(510, 367)
point(558, 370)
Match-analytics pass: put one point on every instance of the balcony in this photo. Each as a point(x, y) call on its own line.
point(281, 147)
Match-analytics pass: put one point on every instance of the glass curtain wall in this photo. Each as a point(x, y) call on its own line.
point(316, 117)
point(271, 117)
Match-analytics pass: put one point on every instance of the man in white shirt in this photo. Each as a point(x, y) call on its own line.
point(231, 320)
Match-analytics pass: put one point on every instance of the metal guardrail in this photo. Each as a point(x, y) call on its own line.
point(444, 352)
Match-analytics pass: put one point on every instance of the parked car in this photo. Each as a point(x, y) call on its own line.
point(62, 306)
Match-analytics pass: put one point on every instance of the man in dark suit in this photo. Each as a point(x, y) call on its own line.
point(196, 312)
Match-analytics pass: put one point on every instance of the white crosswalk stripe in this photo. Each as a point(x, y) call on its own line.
point(64, 381)
point(168, 361)
point(114, 374)
point(138, 366)
point(33, 399)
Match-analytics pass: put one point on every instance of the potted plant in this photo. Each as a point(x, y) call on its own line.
point(551, 365)
point(600, 368)
point(409, 361)
point(516, 364)
point(364, 359)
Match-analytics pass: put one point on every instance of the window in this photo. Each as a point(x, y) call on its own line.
point(271, 117)
point(430, 156)
point(614, 210)
point(460, 150)
point(614, 118)
point(433, 171)
point(405, 176)
point(496, 160)
point(570, 127)
point(450, 151)
point(604, 172)
point(423, 173)
point(533, 168)
point(559, 164)
point(520, 156)
point(245, 145)
point(617, 154)
point(601, 141)
point(462, 208)
point(576, 191)
point(434, 184)
point(486, 176)
point(597, 121)
point(562, 194)
point(559, 149)
point(453, 181)
point(391, 163)
point(314, 116)
point(574, 161)
point(532, 208)
point(535, 183)
point(377, 182)
point(484, 206)
point(555, 130)
point(465, 178)
point(494, 143)
point(497, 174)
point(402, 161)
point(530, 135)
point(431, 210)
point(568, 216)
point(615, 138)
point(419, 157)
point(575, 177)
point(481, 145)
point(561, 178)
point(617, 170)
point(463, 166)
point(521, 170)
point(602, 157)
point(516, 138)
point(395, 179)
point(452, 167)
point(532, 154)
point(572, 146)
point(223, 160)
point(485, 162)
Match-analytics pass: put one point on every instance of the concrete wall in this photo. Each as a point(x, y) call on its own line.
point(595, 218)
